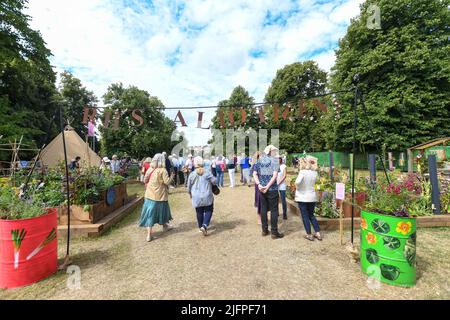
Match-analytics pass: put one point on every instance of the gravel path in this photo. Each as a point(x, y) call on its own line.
point(233, 262)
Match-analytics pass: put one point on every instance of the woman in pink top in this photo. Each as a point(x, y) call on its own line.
point(220, 168)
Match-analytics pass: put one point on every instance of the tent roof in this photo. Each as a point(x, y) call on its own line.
point(53, 153)
point(431, 143)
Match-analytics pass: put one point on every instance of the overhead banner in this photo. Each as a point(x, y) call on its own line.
point(225, 113)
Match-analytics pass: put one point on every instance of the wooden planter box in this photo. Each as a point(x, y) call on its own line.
point(96, 211)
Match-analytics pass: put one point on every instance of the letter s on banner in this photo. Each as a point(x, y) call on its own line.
point(138, 117)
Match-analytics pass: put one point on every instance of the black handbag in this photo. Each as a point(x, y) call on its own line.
point(215, 189)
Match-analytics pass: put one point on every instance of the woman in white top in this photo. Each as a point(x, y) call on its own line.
point(282, 186)
point(306, 197)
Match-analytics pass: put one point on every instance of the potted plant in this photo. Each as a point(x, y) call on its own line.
point(28, 239)
point(388, 236)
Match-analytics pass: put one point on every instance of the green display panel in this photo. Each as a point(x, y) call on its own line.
point(388, 248)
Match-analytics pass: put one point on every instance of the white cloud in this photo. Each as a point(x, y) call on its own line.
point(196, 57)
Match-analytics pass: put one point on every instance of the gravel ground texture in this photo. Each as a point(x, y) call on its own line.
point(233, 262)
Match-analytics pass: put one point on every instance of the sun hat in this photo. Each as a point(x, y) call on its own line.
point(106, 159)
point(198, 162)
point(268, 150)
point(148, 160)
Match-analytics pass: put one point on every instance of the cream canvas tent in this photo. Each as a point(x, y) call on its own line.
point(75, 146)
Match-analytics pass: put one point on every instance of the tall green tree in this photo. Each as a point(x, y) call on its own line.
point(404, 69)
point(153, 136)
point(74, 97)
point(294, 82)
point(28, 97)
point(239, 99)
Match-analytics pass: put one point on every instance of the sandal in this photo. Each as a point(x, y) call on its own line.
point(318, 237)
point(308, 237)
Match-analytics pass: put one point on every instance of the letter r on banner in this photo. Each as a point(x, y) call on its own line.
point(89, 114)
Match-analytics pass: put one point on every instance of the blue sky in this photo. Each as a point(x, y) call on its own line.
point(189, 53)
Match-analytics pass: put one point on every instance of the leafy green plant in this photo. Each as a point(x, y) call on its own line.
point(13, 208)
point(327, 207)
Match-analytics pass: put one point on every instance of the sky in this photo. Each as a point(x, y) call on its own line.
point(189, 53)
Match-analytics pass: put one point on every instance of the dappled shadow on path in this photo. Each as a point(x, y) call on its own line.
point(91, 258)
point(216, 228)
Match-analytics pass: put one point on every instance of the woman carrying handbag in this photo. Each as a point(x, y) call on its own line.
point(200, 188)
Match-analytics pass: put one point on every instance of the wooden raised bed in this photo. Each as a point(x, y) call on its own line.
point(97, 211)
point(438, 220)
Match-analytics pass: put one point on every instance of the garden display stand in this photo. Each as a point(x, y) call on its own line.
point(388, 248)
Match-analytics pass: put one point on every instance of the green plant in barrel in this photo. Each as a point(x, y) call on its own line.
point(17, 239)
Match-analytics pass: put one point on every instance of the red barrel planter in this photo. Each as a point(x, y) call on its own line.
point(28, 249)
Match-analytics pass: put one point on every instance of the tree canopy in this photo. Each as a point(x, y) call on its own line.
point(404, 74)
point(28, 102)
point(74, 97)
point(153, 136)
point(294, 82)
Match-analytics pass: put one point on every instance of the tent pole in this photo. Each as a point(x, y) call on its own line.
point(66, 261)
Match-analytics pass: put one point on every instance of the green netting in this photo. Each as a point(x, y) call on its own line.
point(341, 159)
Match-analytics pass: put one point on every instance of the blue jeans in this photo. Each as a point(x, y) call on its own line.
point(283, 203)
point(219, 178)
point(307, 210)
point(204, 215)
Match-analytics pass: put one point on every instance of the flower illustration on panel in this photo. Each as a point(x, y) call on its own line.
point(403, 227)
point(371, 238)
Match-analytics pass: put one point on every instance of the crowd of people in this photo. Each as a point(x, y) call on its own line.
point(201, 175)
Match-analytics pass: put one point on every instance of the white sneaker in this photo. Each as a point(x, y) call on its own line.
point(149, 238)
point(204, 231)
point(167, 228)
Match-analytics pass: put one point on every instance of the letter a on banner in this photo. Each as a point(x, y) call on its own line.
point(180, 116)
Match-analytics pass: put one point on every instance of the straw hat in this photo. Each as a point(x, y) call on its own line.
point(106, 159)
point(148, 160)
